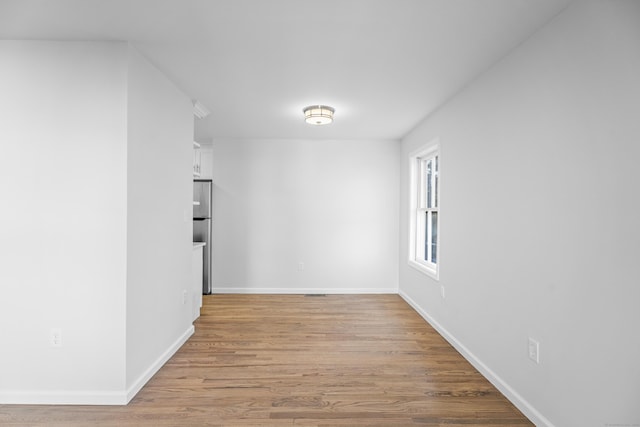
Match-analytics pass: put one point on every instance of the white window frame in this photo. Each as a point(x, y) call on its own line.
point(417, 209)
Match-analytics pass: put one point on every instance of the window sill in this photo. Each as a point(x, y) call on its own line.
point(424, 269)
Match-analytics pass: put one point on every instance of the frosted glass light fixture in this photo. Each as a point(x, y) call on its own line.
point(318, 114)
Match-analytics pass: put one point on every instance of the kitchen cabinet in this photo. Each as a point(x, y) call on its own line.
point(197, 160)
point(206, 164)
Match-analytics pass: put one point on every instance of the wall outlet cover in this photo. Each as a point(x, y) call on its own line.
point(56, 337)
point(534, 350)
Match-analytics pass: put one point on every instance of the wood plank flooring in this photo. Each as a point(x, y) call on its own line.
point(295, 360)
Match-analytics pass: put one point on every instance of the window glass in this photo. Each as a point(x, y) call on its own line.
point(428, 181)
point(434, 237)
point(425, 195)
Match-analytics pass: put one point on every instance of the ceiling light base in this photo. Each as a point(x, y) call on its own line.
point(318, 114)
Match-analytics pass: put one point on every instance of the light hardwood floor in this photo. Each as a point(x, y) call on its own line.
point(295, 360)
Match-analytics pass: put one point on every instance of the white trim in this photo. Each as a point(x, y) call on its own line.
point(246, 290)
point(423, 268)
point(429, 149)
point(62, 397)
point(92, 397)
point(514, 397)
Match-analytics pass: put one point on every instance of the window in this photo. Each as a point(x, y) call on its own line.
point(424, 214)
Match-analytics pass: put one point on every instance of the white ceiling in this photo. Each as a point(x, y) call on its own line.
point(383, 65)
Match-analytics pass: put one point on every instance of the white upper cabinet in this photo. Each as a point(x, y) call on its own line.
point(197, 160)
point(206, 161)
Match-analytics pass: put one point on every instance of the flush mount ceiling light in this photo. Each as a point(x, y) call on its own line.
point(318, 114)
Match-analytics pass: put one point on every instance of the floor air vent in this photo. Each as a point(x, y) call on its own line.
point(315, 295)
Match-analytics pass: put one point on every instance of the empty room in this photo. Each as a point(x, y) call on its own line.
point(336, 213)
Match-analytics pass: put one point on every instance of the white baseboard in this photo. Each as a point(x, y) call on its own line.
point(92, 397)
point(62, 397)
point(159, 363)
point(241, 290)
point(514, 397)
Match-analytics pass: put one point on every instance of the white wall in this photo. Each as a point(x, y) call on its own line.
point(63, 230)
point(539, 221)
point(159, 197)
point(95, 230)
point(332, 205)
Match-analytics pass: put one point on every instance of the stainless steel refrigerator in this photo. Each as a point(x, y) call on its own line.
point(202, 225)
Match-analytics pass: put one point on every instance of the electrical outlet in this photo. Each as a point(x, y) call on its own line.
point(534, 350)
point(442, 291)
point(301, 266)
point(56, 337)
point(184, 296)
